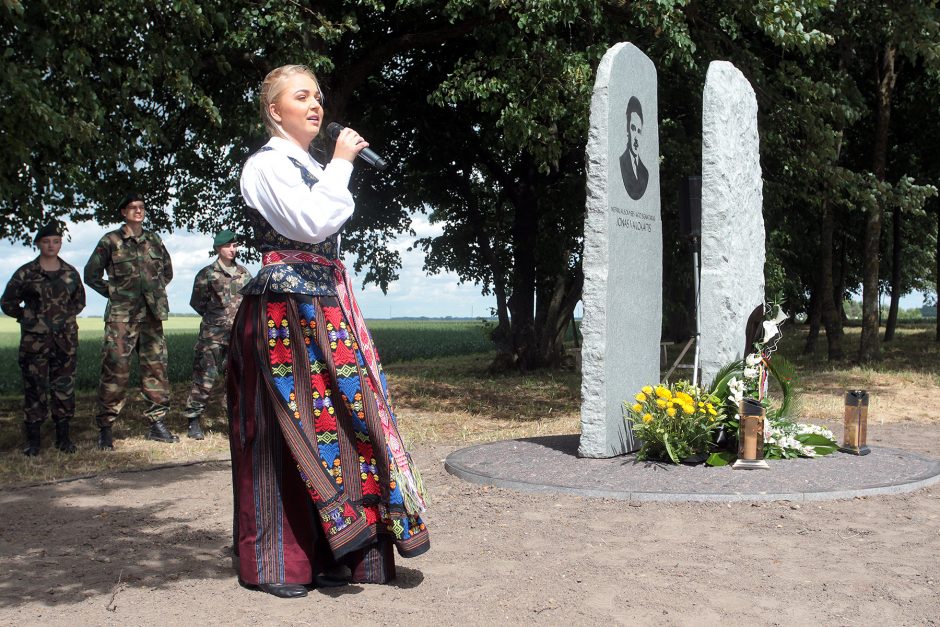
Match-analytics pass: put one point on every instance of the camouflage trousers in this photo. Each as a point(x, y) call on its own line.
point(208, 369)
point(121, 339)
point(47, 361)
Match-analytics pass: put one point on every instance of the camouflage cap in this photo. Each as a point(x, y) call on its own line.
point(224, 237)
point(52, 228)
point(128, 199)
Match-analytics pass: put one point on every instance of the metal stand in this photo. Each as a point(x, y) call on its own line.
point(863, 450)
point(750, 464)
point(696, 270)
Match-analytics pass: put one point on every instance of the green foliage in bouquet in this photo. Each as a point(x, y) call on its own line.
point(674, 422)
point(750, 378)
point(731, 385)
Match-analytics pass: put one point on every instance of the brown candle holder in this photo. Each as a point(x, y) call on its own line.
point(855, 423)
point(751, 436)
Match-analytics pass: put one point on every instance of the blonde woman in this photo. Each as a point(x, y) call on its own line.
point(321, 478)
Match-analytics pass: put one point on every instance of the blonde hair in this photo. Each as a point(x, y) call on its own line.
point(271, 89)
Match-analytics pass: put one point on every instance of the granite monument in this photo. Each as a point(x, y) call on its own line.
point(622, 260)
point(732, 274)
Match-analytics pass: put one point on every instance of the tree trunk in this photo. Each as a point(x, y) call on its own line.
point(869, 347)
point(895, 274)
point(838, 277)
point(502, 334)
point(828, 308)
point(554, 310)
point(524, 234)
point(813, 319)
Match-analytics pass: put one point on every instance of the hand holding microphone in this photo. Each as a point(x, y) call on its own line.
point(366, 154)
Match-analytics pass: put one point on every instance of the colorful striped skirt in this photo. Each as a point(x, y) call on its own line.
point(316, 456)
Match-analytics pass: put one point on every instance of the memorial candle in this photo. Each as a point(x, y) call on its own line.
point(751, 435)
point(855, 423)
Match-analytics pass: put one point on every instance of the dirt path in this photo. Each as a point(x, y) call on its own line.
point(153, 548)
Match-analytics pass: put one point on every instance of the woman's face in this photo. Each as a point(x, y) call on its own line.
point(298, 109)
point(49, 246)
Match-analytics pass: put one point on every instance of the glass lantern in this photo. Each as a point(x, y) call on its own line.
point(751, 435)
point(855, 423)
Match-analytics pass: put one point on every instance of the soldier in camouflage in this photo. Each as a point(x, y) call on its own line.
point(138, 268)
point(44, 296)
point(215, 298)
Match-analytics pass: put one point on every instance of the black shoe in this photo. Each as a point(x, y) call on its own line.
point(160, 433)
point(32, 439)
point(105, 442)
point(283, 590)
point(195, 430)
point(324, 580)
point(62, 440)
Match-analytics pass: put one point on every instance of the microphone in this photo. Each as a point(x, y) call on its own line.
point(366, 154)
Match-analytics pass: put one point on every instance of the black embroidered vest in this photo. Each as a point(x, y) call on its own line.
point(296, 278)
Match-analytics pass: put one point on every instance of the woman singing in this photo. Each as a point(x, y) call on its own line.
point(320, 473)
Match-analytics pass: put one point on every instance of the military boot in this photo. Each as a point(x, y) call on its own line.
point(32, 439)
point(160, 433)
point(105, 442)
point(195, 430)
point(62, 440)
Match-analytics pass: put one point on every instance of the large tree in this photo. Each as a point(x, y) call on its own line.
point(482, 107)
point(887, 39)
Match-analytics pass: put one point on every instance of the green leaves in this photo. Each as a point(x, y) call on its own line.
point(721, 458)
point(821, 444)
point(483, 106)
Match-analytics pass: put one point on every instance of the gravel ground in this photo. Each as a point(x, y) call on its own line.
point(153, 548)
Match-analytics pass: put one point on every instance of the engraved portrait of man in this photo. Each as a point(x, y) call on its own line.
point(634, 173)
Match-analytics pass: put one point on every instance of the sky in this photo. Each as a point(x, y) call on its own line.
point(415, 294)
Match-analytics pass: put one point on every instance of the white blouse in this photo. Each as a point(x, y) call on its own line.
point(273, 185)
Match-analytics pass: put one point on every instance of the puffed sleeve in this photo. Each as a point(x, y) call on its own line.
point(297, 210)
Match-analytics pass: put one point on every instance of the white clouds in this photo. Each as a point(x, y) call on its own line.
point(417, 294)
point(414, 294)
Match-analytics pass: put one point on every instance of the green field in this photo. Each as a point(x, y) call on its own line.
point(396, 340)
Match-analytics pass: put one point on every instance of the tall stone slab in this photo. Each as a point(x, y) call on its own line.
point(732, 254)
point(623, 249)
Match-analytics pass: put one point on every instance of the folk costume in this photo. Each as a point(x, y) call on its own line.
point(320, 473)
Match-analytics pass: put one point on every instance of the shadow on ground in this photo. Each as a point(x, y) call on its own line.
point(68, 541)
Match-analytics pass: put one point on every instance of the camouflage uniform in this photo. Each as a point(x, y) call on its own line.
point(215, 298)
point(139, 269)
point(48, 336)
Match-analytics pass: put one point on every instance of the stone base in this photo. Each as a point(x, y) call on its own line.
point(550, 465)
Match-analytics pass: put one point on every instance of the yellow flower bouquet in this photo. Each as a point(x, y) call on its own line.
point(674, 422)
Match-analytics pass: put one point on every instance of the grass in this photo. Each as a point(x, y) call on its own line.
point(454, 400)
point(899, 385)
point(397, 340)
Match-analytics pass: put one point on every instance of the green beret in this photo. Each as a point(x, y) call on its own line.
point(128, 199)
point(52, 228)
point(224, 237)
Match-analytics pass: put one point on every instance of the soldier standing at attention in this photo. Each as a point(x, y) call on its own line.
point(139, 269)
point(215, 298)
point(53, 295)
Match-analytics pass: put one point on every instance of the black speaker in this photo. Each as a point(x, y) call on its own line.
point(690, 206)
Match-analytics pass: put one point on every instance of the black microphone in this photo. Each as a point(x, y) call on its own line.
point(366, 154)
